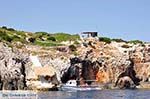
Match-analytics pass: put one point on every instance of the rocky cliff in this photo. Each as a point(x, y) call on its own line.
point(13, 65)
point(91, 59)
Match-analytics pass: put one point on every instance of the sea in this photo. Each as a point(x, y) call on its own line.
point(101, 94)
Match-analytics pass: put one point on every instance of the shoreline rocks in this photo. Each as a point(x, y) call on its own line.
point(109, 61)
point(12, 69)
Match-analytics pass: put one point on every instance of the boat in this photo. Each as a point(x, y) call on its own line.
point(71, 85)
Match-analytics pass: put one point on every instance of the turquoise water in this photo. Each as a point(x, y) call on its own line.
point(103, 94)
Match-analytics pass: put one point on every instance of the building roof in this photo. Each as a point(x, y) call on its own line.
point(89, 33)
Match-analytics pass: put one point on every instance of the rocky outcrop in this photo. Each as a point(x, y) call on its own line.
point(39, 76)
point(126, 82)
point(84, 71)
point(128, 78)
point(12, 68)
point(115, 59)
point(141, 58)
point(92, 60)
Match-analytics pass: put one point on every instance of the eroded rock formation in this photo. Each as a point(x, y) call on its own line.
point(115, 61)
point(12, 68)
point(96, 61)
point(84, 71)
point(128, 78)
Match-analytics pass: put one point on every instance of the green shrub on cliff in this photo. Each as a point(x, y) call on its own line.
point(135, 42)
point(16, 38)
point(105, 39)
point(65, 37)
point(4, 27)
point(72, 48)
point(5, 36)
point(40, 35)
point(21, 34)
point(9, 29)
point(46, 44)
point(119, 40)
point(51, 38)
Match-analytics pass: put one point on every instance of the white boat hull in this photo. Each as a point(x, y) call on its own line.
point(79, 88)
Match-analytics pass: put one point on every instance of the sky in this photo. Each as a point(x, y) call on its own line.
point(126, 19)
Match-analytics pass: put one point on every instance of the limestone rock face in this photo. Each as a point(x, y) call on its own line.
point(142, 62)
point(115, 57)
point(97, 61)
point(61, 64)
point(110, 60)
point(12, 68)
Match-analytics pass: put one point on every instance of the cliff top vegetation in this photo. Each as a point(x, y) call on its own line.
point(11, 35)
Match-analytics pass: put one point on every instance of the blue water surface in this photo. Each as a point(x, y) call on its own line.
point(102, 94)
